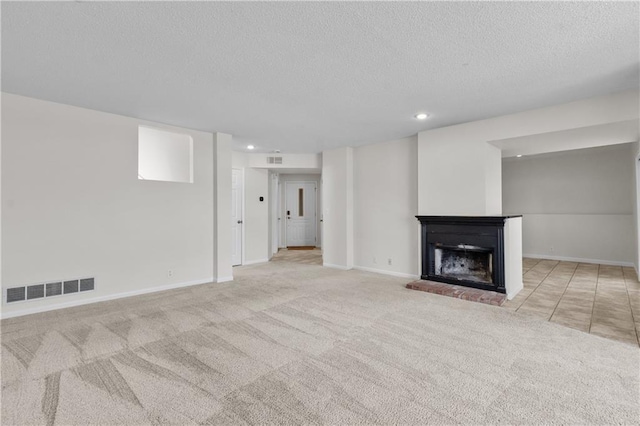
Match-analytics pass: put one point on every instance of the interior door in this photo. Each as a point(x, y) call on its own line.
point(236, 217)
point(301, 213)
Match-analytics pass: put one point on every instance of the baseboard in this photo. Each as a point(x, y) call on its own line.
point(343, 268)
point(253, 262)
point(70, 304)
point(382, 271)
point(224, 279)
point(578, 259)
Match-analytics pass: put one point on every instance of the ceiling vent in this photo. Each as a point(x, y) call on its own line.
point(274, 160)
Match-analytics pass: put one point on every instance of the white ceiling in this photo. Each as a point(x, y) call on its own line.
point(305, 77)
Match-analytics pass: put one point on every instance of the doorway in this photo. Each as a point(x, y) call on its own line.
point(300, 214)
point(236, 216)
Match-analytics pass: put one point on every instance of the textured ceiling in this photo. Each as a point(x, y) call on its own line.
point(305, 77)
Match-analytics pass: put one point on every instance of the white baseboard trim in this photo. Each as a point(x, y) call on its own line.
point(254, 262)
point(578, 259)
point(70, 304)
point(224, 279)
point(342, 268)
point(382, 271)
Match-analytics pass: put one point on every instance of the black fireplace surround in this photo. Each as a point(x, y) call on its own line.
point(464, 250)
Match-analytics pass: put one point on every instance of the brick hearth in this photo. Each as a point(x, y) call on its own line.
point(459, 292)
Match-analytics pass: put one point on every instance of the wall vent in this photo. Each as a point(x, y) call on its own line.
point(71, 286)
point(274, 160)
point(15, 294)
point(56, 288)
point(86, 284)
point(35, 291)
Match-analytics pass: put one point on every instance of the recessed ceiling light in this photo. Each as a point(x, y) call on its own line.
point(519, 155)
point(250, 147)
point(422, 116)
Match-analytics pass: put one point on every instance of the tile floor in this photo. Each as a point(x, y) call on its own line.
point(307, 257)
point(597, 299)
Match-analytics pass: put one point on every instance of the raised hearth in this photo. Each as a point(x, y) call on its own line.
point(466, 251)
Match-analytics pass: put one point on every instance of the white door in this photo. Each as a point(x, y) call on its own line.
point(301, 213)
point(236, 217)
point(275, 216)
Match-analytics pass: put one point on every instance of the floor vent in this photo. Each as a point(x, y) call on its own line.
point(56, 288)
point(274, 160)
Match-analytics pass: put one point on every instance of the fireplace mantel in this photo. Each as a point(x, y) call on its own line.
point(479, 220)
point(482, 252)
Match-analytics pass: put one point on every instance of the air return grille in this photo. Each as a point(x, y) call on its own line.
point(274, 160)
point(71, 286)
point(56, 288)
point(35, 291)
point(86, 284)
point(15, 294)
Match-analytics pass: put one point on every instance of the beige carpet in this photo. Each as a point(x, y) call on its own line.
point(303, 344)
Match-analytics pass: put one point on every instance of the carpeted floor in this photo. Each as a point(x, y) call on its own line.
point(291, 343)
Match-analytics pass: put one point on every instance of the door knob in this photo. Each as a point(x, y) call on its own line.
point(239, 221)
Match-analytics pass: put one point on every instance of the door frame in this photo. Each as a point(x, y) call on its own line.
point(315, 217)
point(242, 207)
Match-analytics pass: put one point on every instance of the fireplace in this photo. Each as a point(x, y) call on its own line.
point(464, 250)
point(464, 262)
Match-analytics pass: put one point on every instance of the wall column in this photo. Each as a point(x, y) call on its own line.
point(337, 208)
point(222, 207)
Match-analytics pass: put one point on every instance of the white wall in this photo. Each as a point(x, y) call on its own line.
point(385, 206)
point(284, 178)
point(222, 159)
point(337, 208)
point(458, 176)
point(239, 160)
point(576, 204)
point(72, 205)
point(457, 173)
